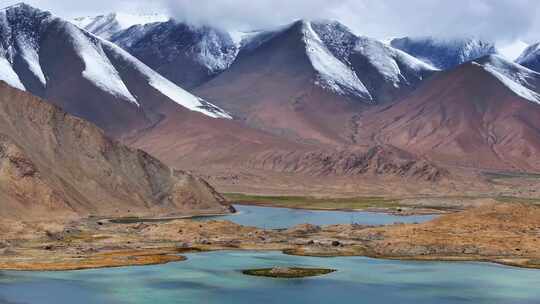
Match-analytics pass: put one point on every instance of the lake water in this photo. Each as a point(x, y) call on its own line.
point(270, 218)
point(215, 277)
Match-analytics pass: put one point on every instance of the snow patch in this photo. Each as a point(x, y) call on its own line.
point(98, 68)
point(30, 55)
point(385, 59)
point(167, 88)
point(333, 75)
point(8, 75)
point(216, 50)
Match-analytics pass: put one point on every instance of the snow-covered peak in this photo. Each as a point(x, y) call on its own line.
point(387, 63)
point(98, 67)
point(20, 25)
point(529, 52)
point(521, 80)
point(24, 31)
point(21, 6)
point(210, 48)
point(333, 74)
point(530, 57)
point(390, 62)
point(107, 25)
point(345, 63)
point(166, 87)
point(337, 37)
point(444, 53)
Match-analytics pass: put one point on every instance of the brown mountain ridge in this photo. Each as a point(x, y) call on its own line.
point(55, 165)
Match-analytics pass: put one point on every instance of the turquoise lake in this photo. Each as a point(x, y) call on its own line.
point(215, 277)
point(272, 218)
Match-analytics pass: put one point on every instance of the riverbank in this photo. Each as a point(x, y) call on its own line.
point(41, 261)
point(395, 206)
point(502, 233)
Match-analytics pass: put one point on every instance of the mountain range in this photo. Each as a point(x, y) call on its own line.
point(84, 74)
point(316, 81)
point(306, 99)
point(444, 53)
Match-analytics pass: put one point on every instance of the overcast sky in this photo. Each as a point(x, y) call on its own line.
point(499, 20)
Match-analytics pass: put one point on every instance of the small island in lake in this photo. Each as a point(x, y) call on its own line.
point(288, 272)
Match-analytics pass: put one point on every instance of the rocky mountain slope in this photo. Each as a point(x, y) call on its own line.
point(483, 114)
point(316, 82)
point(530, 57)
point(85, 75)
point(307, 79)
point(188, 55)
point(55, 165)
point(310, 99)
point(444, 53)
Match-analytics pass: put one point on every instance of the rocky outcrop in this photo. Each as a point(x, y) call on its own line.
point(53, 164)
point(377, 160)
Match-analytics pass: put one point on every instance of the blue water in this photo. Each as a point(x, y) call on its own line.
point(215, 277)
point(270, 218)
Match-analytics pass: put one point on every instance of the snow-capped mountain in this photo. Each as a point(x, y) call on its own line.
point(186, 54)
point(444, 53)
point(530, 57)
point(519, 79)
point(311, 68)
point(84, 74)
point(190, 55)
point(107, 25)
point(482, 114)
point(381, 68)
point(340, 61)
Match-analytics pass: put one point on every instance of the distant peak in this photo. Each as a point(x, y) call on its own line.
point(21, 6)
point(17, 5)
point(320, 22)
point(116, 21)
point(528, 53)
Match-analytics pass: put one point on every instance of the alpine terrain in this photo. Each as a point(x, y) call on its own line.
point(86, 75)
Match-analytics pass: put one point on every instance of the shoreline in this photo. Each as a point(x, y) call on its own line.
point(166, 256)
point(114, 259)
point(134, 220)
point(406, 210)
point(499, 233)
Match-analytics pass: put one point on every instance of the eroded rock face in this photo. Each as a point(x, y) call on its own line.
point(54, 164)
point(377, 160)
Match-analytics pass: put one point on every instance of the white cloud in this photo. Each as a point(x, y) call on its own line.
point(512, 50)
point(499, 20)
